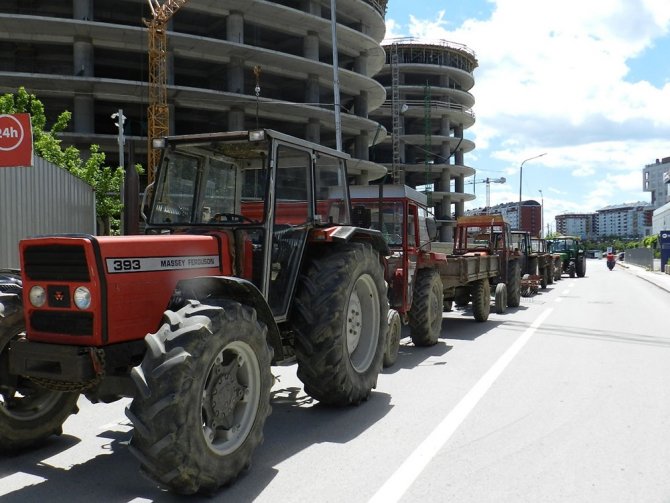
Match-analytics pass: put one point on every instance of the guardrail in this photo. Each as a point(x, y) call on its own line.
point(380, 5)
point(436, 105)
point(423, 41)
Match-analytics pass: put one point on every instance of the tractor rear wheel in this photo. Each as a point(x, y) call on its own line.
point(29, 414)
point(571, 270)
point(203, 396)
point(340, 322)
point(393, 338)
point(425, 315)
point(514, 284)
point(481, 300)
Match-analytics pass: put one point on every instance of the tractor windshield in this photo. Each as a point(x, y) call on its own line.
point(202, 188)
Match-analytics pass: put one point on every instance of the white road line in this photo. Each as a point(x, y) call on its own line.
point(401, 480)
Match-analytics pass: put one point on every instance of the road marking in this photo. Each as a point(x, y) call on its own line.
point(401, 480)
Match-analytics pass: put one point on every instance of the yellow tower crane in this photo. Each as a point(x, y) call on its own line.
point(158, 113)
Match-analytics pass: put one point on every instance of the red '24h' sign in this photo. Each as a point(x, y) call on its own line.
point(16, 141)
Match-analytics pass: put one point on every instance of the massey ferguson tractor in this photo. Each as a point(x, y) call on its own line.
point(250, 258)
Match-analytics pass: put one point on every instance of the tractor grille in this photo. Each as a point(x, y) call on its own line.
point(56, 263)
point(68, 323)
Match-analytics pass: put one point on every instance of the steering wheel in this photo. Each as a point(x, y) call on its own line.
point(231, 217)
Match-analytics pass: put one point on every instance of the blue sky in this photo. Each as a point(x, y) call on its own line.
point(586, 81)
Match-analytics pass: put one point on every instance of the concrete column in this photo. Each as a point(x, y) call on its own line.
point(313, 131)
point(236, 119)
point(82, 10)
point(361, 150)
point(460, 188)
point(312, 7)
point(361, 104)
point(312, 89)
point(445, 126)
point(361, 63)
point(363, 178)
point(235, 77)
point(235, 68)
point(83, 114)
point(82, 57)
point(235, 27)
point(458, 157)
point(310, 46)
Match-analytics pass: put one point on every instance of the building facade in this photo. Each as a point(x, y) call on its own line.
point(656, 178)
point(632, 220)
point(583, 225)
point(531, 215)
point(231, 65)
point(426, 113)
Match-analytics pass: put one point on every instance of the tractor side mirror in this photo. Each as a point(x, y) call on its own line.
point(431, 227)
point(361, 217)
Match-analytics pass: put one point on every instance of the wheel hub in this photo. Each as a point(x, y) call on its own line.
point(354, 322)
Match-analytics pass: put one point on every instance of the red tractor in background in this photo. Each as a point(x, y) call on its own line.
point(422, 282)
point(491, 235)
point(250, 258)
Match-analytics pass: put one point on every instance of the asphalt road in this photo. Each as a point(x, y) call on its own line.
point(566, 398)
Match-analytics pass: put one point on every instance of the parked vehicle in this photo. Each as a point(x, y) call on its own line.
point(422, 281)
point(573, 255)
point(250, 259)
point(547, 263)
point(479, 235)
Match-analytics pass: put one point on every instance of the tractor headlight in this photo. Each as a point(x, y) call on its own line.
point(82, 297)
point(38, 296)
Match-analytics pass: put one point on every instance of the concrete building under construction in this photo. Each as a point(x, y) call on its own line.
point(232, 65)
point(426, 112)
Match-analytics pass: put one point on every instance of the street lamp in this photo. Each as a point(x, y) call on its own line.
point(521, 179)
point(541, 211)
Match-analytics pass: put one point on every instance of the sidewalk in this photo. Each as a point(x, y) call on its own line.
point(657, 278)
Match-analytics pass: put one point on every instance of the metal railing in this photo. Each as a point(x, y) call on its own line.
point(435, 105)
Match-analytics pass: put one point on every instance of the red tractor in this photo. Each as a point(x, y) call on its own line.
point(250, 259)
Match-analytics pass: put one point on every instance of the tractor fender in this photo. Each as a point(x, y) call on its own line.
point(347, 233)
point(204, 288)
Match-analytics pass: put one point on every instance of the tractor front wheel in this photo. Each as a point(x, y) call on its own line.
point(501, 298)
point(203, 396)
point(340, 322)
point(393, 338)
point(29, 414)
point(514, 284)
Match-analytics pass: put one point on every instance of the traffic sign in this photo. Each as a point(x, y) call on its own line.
point(16, 141)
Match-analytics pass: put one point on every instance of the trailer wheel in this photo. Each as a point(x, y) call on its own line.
point(481, 300)
point(29, 414)
point(550, 275)
point(544, 273)
point(393, 338)
point(514, 285)
point(203, 396)
point(448, 306)
point(340, 322)
point(501, 298)
point(462, 298)
point(425, 315)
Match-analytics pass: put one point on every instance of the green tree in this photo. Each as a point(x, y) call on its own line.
point(105, 181)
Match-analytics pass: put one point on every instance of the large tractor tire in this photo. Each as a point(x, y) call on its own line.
point(393, 338)
point(550, 274)
point(544, 281)
point(514, 284)
point(425, 315)
point(501, 298)
point(203, 396)
point(572, 269)
point(340, 323)
point(481, 300)
point(29, 414)
point(580, 267)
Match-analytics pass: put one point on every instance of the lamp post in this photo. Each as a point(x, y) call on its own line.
point(521, 180)
point(541, 212)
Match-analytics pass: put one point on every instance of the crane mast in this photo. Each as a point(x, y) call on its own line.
point(158, 114)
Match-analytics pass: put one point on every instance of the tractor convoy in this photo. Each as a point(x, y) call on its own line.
point(256, 252)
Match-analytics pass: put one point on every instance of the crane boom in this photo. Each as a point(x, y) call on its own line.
point(158, 113)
